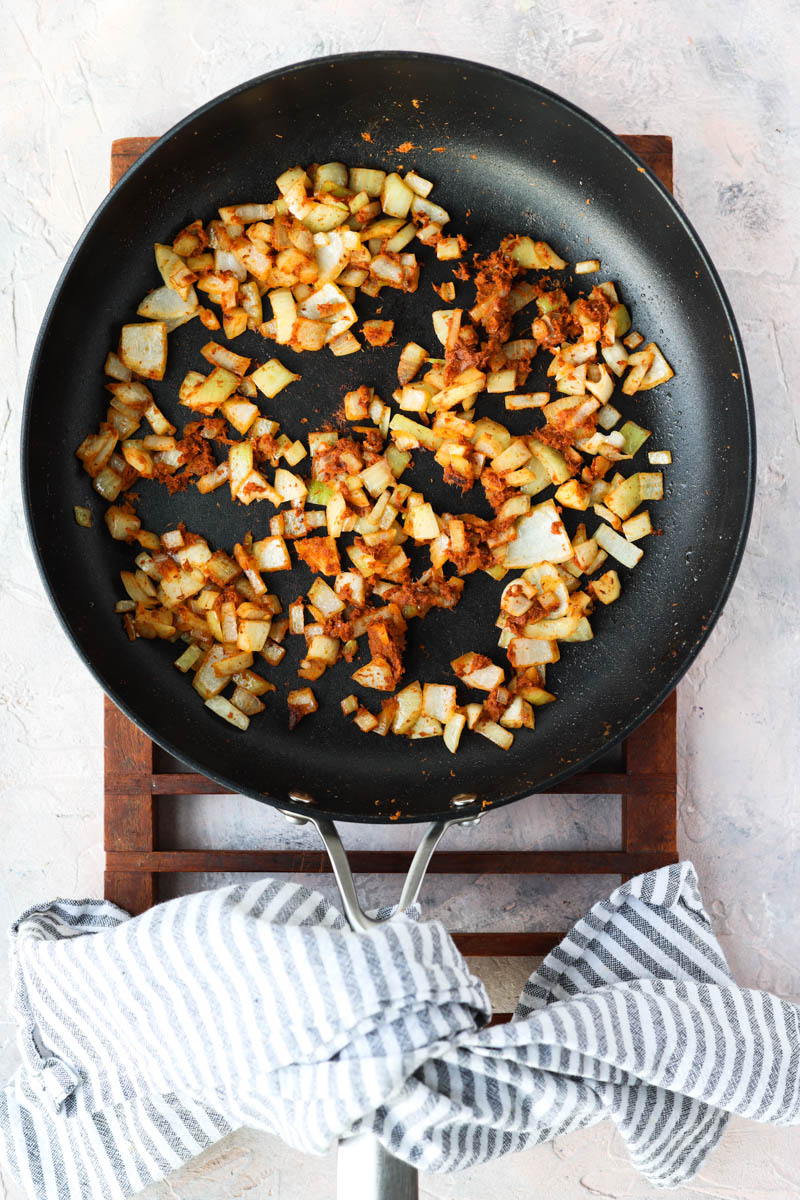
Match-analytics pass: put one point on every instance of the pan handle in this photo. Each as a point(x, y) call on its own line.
point(365, 1169)
point(356, 917)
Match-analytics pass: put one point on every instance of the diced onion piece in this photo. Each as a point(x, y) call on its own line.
point(83, 516)
point(252, 635)
point(108, 483)
point(324, 598)
point(528, 652)
point(608, 416)
point(116, 369)
point(206, 681)
point(229, 712)
point(551, 460)
point(174, 271)
point(409, 708)
point(398, 241)
point(633, 340)
point(246, 702)
point(240, 462)
point(637, 527)
point(221, 356)
point(434, 212)
point(439, 701)
point(189, 657)
point(349, 705)
point(284, 312)
point(377, 673)
point(123, 526)
point(448, 249)
point(538, 255)
point(625, 497)
point(495, 733)
point(290, 486)
point(601, 511)
point(214, 389)
point(606, 588)
point(396, 196)
point(246, 214)
point(422, 187)
point(377, 333)
point(324, 648)
point(365, 179)
point(442, 319)
point(616, 356)
point(214, 479)
point(301, 703)
point(651, 484)
point(541, 537)
point(527, 400)
point(252, 682)
point(422, 523)
point(366, 721)
point(165, 304)
point(618, 547)
point(453, 730)
point(143, 349)
point(502, 381)
point(425, 727)
point(378, 477)
point(659, 458)
point(332, 252)
point(518, 715)
point(535, 694)
point(583, 632)
point(573, 494)
point(271, 554)
point(429, 234)
point(640, 363)
point(472, 713)
point(548, 588)
point(344, 344)
point(240, 413)
point(272, 378)
point(476, 673)
point(660, 370)
point(234, 322)
point(586, 266)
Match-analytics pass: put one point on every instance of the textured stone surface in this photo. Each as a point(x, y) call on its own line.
point(78, 74)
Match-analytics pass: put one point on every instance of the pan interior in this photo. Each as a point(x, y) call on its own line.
point(516, 159)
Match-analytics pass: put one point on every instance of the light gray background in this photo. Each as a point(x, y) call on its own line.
point(724, 84)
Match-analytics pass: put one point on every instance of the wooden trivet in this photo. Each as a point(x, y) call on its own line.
point(135, 780)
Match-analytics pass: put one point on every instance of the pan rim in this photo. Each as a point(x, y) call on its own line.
point(109, 686)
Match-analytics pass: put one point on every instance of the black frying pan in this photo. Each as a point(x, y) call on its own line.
point(522, 160)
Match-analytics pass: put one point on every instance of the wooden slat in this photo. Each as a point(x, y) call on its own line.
point(506, 945)
point(589, 784)
point(649, 816)
point(124, 153)
point(129, 816)
point(654, 149)
point(392, 862)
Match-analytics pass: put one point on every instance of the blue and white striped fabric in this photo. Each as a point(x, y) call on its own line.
point(146, 1040)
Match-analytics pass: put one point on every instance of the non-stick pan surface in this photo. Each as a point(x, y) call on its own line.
point(520, 160)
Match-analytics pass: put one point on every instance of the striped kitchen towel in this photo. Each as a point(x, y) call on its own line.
point(146, 1040)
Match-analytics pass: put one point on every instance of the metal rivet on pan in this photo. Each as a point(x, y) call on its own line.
point(292, 818)
point(463, 799)
point(299, 798)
